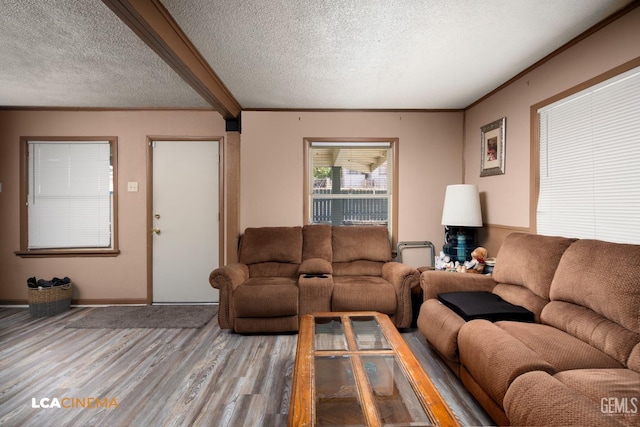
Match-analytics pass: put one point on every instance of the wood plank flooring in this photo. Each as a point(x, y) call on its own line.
point(162, 377)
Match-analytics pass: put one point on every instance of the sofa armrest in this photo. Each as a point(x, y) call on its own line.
point(435, 282)
point(226, 279)
point(403, 277)
point(400, 275)
point(315, 266)
point(230, 276)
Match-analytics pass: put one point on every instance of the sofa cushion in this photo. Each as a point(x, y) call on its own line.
point(357, 268)
point(602, 276)
point(529, 260)
point(484, 305)
point(363, 293)
point(592, 328)
point(271, 244)
point(561, 350)
point(266, 297)
point(352, 243)
point(497, 353)
point(494, 358)
point(316, 242)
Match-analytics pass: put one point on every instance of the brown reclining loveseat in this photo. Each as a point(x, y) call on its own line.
point(283, 273)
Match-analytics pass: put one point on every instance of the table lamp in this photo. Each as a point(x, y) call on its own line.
point(461, 217)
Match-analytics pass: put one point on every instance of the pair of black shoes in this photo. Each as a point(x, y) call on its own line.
point(32, 283)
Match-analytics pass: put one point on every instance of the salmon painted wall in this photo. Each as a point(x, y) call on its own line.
point(506, 198)
point(436, 149)
point(97, 279)
point(430, 150)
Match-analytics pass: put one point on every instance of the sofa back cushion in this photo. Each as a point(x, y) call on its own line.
point(595, 296)
point(592, 328)
point(604, 277)
point(271, 251)
point(355, 243)
point(528, 261)
point(317, 242)
point(360, 250)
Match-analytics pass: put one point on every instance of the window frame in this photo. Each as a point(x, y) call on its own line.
point(24, 251)
point(394, 142)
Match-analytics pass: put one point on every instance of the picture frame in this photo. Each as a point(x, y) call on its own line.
point(492, 147)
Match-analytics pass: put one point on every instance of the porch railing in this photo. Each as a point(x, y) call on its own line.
point(350, 208)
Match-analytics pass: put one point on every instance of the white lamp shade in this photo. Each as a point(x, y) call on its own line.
point(462, 206)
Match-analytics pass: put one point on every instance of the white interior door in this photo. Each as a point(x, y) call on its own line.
point(185, 220)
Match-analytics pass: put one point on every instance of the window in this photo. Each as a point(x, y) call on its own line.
point(69, 199)
point(351, 182)
point(589, 152)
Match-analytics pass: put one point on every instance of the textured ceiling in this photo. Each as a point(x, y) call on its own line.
point(361, 54)
point(377, 53)
point(77, 53)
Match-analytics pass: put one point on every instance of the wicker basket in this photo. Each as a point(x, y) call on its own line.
point(49, 301)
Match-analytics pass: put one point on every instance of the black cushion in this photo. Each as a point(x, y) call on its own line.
point(484, 305)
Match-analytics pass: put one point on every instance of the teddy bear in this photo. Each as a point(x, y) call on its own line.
point(476, 265)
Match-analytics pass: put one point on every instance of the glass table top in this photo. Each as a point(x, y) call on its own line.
point(338, 400)
point(368, 334)
point(329, 334)
point(355, 365)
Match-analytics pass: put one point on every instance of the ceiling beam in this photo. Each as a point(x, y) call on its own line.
point(151, 21)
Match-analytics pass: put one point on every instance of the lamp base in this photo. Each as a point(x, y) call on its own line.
point(450, 247)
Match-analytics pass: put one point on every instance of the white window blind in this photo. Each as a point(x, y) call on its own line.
point(351, 183)
point(69, 194)
point(589, 145)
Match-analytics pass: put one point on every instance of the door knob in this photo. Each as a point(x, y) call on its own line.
point(157, 216)
point(155, 230)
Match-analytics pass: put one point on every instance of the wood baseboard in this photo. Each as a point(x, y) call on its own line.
point(141, 301)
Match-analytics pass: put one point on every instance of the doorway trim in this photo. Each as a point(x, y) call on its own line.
point(149, 222)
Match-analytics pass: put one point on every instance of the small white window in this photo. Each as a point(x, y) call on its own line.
point(70, 201)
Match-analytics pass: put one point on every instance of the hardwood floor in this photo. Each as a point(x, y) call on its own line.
point(162, 377)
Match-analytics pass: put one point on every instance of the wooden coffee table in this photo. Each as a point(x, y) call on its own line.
point(355, 369)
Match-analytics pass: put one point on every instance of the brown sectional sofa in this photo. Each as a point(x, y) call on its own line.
point(578, 363)
point(283, 273)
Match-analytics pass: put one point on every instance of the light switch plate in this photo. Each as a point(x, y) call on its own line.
point(132, 187)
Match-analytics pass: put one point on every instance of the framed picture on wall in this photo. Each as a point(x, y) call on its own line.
point(492, 147)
